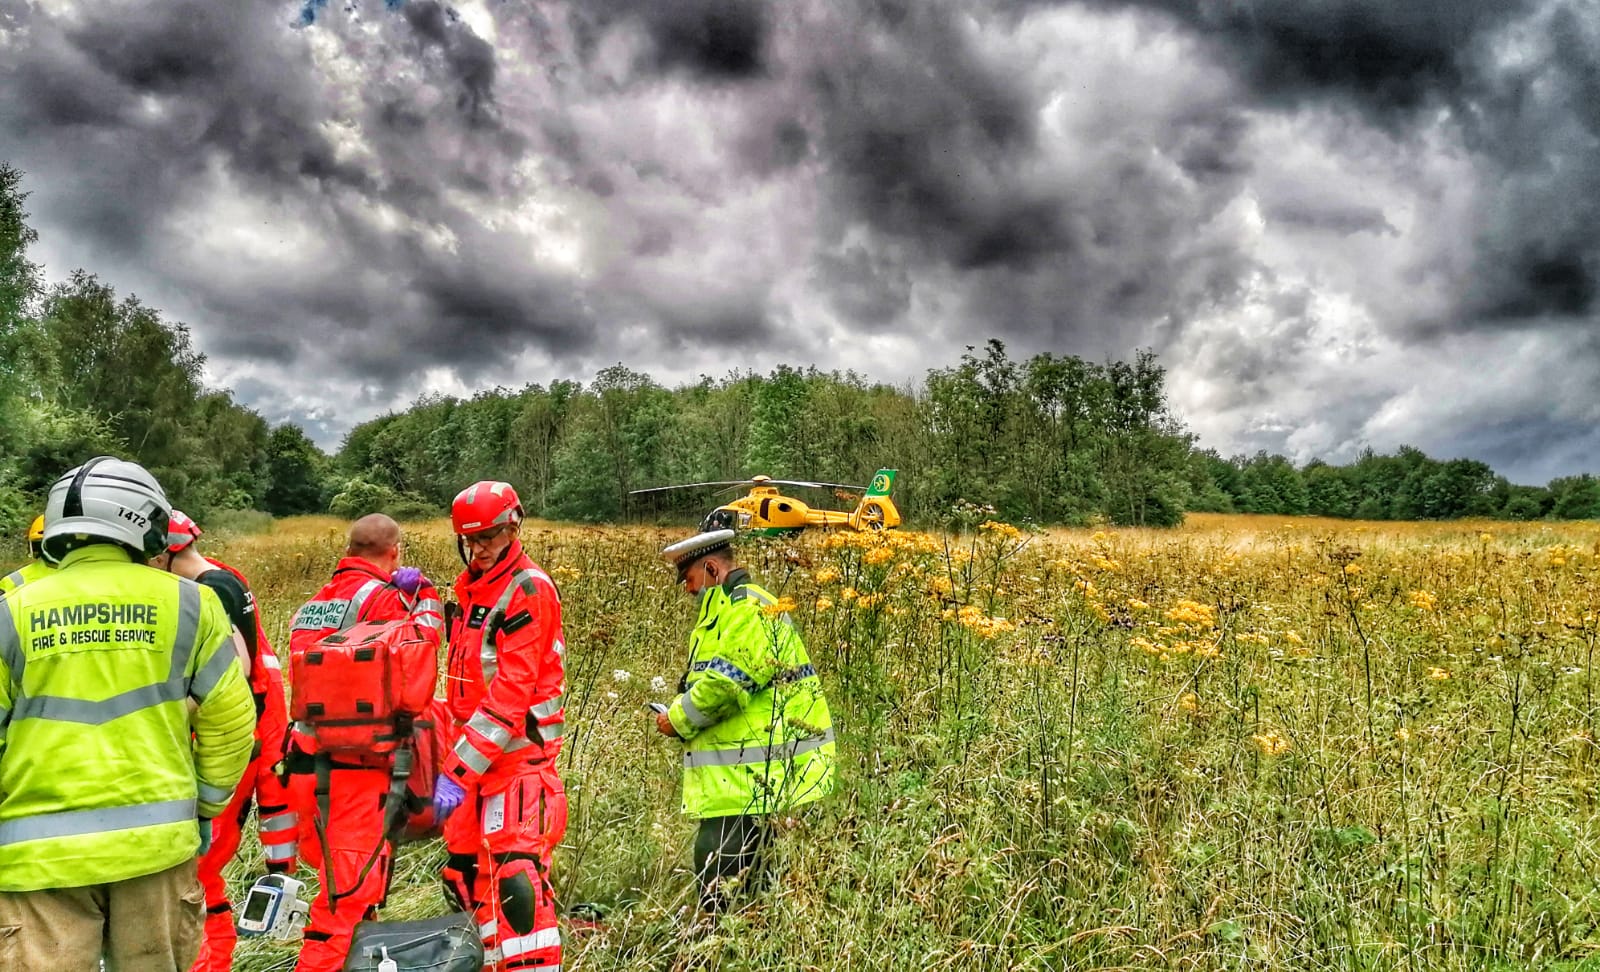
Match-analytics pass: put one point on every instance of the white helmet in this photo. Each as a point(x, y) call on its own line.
point(106, 500)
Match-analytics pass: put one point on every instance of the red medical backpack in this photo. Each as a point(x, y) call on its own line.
point(361, 689)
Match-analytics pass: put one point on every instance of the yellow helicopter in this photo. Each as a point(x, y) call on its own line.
point(764, 510)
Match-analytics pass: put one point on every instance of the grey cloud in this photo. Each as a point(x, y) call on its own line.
point(710, 177)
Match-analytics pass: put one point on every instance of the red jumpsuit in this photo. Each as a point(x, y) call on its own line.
point(505, 687)
point(358, 591)
point(274, 820)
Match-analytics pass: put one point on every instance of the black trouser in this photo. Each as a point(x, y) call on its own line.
point(724, 847)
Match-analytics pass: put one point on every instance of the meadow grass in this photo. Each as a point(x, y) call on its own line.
point(1254, 742)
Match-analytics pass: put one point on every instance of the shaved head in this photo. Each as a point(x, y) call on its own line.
point(372, 536)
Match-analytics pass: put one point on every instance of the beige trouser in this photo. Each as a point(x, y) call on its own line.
point(144, 924)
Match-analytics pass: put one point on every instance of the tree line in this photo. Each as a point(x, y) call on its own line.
point(1050, 439)
point(84, 372)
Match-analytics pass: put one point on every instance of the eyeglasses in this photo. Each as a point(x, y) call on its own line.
point(484, 537)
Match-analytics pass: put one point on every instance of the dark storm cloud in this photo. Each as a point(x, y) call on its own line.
point(715, 40)
point(412, 196)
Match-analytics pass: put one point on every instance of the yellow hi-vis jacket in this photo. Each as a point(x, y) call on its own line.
point(32, 570)
point(102, 769)
point(760, 738)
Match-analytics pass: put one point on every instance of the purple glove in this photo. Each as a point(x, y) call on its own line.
point(408, 579)
point(447, 795)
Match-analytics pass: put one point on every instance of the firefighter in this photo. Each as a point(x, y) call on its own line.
point(33, 569)
point(125, 723)
point(367, 585)
point(498, 787)
point(274, 820)
point(758, 738)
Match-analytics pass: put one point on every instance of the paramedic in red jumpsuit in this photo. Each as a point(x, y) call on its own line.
point(368, 585)
point(504, 691)
point(275, 821)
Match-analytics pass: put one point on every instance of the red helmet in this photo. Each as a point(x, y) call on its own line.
point(483, 505)
point(181, 532)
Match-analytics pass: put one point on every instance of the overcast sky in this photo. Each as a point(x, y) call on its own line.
point(1339, 223)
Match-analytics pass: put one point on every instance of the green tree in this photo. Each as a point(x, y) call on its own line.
point(295, 471)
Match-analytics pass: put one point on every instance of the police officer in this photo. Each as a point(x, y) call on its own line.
point(34, 569)
point(107, 781)
point(758, 738)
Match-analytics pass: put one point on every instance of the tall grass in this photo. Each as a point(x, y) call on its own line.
point(1250, 743)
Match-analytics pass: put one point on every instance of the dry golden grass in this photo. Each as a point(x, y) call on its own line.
point(1251, 742)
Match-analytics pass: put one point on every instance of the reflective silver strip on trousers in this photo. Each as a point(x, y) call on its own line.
point(100, 711)
point(277, 853)
point(358, 600)
point(551, 731)
point(696, 718)
point(548, 708)
point(214, 794)
point(282, 821)
point(755, 754)
point(74, 823)
point(489, 729)
point(512, 947)
point(468, 754)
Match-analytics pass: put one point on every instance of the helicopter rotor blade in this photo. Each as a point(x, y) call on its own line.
point(793, 482)
point(662, 489)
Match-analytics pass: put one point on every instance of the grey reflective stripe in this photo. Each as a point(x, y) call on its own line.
point(283, 821)
point(488, 652)
point(755, 754)
point(213, 794)
point(101, 711)
point(476, 761)
point(14, 579)
point(489, 729)
point(305, 728)
point(358, 600)
point(279, 852)
point(10, 645)
point(207, 678)
point(551, 731)
point(73, 823)
point(548, 707)
point(183, 644)
point(427, 605)
point(696, 718)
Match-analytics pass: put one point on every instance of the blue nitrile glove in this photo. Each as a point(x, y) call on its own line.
point(447, 795)
point(408, 579)
point(205, 835)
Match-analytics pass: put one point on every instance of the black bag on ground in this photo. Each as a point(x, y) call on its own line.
point(449, 943)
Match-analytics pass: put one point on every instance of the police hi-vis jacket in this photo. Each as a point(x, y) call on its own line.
point(760, 738)
point(102, 769)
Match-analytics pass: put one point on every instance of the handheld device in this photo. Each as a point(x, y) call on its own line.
point(273, 908)
point(659, 708)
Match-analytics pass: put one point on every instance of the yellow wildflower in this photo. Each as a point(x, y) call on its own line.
point(1438, 674)
point(824, 603)
point(1271, 743)
point(1352, 569)
point(1188, 702)
point(782, 606)
point(827, 575)
point(1403, 734)
point(1423, 600)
